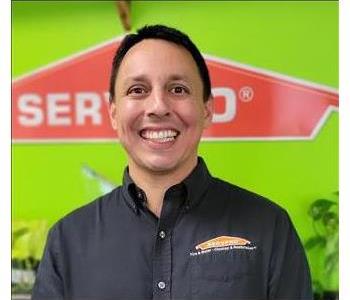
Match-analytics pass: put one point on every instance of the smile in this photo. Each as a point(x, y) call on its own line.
point(160, 136)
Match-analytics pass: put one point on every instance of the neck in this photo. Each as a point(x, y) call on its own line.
point(156, 183)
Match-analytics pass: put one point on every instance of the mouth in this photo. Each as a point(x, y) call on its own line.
point(159, 135)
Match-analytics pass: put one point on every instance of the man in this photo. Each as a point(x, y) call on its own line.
point(171, 231)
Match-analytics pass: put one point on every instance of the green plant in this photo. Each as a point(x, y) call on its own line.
point(325, 220)
point(28, 240)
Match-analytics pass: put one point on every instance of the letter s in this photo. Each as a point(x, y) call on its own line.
point(28, 104)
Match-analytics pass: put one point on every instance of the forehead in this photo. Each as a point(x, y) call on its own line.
point(156, 56)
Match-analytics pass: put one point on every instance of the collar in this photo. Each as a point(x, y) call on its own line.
point(192, 187)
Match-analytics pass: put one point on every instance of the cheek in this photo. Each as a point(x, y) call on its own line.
point(192, 116)
point(128, 115)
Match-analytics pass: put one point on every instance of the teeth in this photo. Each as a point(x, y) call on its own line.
point(164, 135)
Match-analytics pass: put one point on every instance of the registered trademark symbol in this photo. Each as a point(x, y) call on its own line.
point(246, 94)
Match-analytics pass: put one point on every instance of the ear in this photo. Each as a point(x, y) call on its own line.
point(208, 112)
point(112, 111)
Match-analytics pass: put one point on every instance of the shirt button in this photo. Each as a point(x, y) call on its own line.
point(161, 285)
point(162, 234)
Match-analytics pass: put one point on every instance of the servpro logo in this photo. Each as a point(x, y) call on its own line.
point(68, 101)
point(223, 243)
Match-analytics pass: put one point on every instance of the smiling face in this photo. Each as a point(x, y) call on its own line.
point(158, 110)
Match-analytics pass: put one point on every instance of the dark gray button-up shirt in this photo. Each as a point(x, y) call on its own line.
point(213, 240)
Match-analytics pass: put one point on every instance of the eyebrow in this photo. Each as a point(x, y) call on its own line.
point(136, 78)
point(144, 77)
point(178, 77)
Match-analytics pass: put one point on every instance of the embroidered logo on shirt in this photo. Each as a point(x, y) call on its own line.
point(223, 243)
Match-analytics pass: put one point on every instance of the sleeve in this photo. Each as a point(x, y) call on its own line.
point(289, 275)
point(49, 284)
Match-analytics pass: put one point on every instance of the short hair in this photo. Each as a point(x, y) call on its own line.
point(164, 33)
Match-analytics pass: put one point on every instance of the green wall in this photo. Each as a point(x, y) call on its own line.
point(299, 39)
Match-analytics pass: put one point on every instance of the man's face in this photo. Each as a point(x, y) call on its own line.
point(158, 109)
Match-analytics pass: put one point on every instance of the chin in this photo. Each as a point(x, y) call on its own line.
point(160, 165)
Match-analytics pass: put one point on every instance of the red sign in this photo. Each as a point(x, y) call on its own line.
point(68, 101)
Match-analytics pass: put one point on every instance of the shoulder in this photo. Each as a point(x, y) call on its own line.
point(89, 215)
point(252, 213)
point(246, 202)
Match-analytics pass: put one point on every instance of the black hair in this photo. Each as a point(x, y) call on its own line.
point(164, 33)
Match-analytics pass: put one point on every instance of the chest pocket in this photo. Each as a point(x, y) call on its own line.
point(230, 274)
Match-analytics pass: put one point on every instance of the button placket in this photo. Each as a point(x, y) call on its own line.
point(162, 267)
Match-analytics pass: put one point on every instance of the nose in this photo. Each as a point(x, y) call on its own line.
point(158, 105)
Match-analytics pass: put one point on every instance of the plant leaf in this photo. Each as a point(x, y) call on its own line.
point(319, 207)
point(19, 232)
point(317, 286)
point(315, 241)
point(330, 220)
point(331, 262)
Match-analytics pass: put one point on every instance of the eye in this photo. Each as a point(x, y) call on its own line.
point(137, 90)
point(179, 90)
